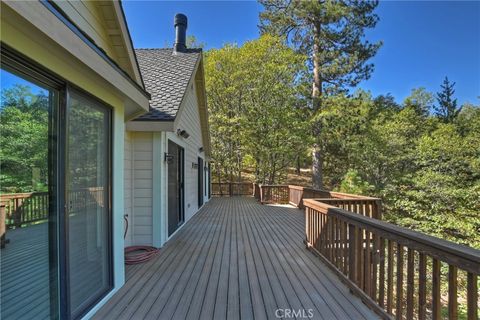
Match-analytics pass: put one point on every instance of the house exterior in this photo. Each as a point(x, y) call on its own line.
point(167, 150)
point(105, 153)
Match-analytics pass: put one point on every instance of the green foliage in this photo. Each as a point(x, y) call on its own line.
point(427, 171)
point(353, 183)
point(24, 140)
point(255, 114)
point(331, 32)
point(446, 109)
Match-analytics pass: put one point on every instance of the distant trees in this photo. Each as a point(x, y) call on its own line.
point(255, 114)
point(330, 34)
point(446, 107)
point(426, 170)
point(24, 140)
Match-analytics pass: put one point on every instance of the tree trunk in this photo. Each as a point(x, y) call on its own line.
point(317, 156)
point(298, 166)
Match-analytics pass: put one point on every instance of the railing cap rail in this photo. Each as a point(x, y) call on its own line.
point(390, 230)
point(21, 195)
point(273, 185)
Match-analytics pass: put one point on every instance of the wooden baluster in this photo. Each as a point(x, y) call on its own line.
point(375, 258)
point(360, 275)
point(307, 225)
point(452, 293)
point(390, 277)
point(436, 305)
point(330, 237)
point(352, 239)
point(472, 297)
point(381, 276)
point(399, 295)
point(345, 248)
point(367, 265)
point(410, 282)
point(422, 286)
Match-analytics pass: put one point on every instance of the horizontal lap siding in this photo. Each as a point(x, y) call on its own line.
point(88, 18)
point(142, 188)
point(128, 175)
point(190, 120)
point(99, 22)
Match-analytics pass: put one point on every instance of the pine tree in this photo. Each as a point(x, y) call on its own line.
point(331, 33)
point(446, 109)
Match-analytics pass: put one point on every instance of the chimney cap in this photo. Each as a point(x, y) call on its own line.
point(181, 19)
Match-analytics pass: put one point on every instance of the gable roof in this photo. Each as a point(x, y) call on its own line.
point(166, 76)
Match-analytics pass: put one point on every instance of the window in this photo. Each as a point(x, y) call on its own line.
point(56, 181)
point(28, 278)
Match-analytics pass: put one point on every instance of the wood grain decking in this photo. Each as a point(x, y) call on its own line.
point(24, 282)
point(235, 259)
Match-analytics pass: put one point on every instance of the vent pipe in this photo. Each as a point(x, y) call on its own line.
point(180, 23)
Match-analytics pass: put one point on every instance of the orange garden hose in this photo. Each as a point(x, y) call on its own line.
point(137, 254)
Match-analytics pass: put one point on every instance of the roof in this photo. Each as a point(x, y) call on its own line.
point(166, 76)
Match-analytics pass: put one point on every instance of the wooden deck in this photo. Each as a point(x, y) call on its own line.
point(235, 259)
point(24, 276)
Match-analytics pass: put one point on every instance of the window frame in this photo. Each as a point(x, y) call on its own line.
point(17, 63)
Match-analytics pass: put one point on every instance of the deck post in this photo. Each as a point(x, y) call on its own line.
point(3, 229)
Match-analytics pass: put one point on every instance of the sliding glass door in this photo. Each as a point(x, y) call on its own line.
point(55, 195)
point(87, 190)
point(28, 265)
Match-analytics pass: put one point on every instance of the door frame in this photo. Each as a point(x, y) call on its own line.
point(200, 181)
point(181, 201)
point(12, 60)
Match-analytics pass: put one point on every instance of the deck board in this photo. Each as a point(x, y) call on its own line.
point(235, 259)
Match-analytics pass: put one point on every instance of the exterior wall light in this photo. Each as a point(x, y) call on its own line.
point(168, 157)
point(183, 133)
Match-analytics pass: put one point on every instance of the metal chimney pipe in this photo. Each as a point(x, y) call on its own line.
point(180, 23)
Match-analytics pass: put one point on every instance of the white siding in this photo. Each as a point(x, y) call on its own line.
point(128, 186)
point(138, 187)
point(189, 120)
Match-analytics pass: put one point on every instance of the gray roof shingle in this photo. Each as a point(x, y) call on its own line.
point(166, 76)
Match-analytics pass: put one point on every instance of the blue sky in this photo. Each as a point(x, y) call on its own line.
point(424, 41)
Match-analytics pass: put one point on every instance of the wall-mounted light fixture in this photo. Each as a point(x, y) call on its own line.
point(183, 133)
point(200, 149)
point(194, 165)
point(168, 157)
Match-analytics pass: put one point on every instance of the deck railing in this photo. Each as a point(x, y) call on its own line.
point(274, 194)
point(295, 195)
point(24, 208)
point(396, 271)
point(229, 189)
point(27, 208)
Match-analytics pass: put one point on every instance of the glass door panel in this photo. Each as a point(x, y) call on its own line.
point(87, 202)
point(175, 187)
point(28, 281)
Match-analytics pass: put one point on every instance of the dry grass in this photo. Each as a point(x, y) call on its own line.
point(303, 179)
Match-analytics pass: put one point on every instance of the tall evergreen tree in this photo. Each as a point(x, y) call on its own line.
point(446, 109)
point(331, 34)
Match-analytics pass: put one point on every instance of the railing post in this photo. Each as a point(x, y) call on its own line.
point(230, 189)
point(17, 214)
point(352, 254)
point(3, 228)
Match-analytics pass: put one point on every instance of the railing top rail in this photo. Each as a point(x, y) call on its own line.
point(274, 185)
point(345, 199)
point(21, 195)
point(464, 257)
point(333, 193)
point(232, 182)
